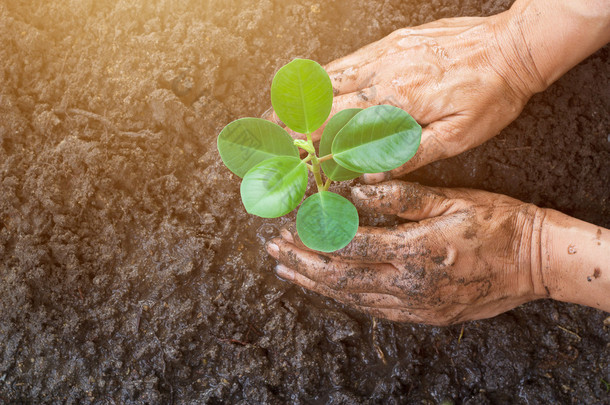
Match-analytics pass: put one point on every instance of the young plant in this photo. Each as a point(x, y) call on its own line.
point(354, 141)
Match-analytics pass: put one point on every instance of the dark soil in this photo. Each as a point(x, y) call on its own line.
point(130, 272)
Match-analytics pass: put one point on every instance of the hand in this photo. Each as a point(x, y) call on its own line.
point(467, 257)
point(465, 79)
point(451, 75)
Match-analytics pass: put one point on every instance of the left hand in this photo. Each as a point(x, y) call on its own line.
point(467, 256)
point(455, 76)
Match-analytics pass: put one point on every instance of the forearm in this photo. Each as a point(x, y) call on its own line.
point(549, 37)
point(574, 260)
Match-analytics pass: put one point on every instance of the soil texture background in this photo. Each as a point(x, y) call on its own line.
point(131, 274)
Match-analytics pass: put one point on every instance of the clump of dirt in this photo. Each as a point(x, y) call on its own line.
point(130, 272)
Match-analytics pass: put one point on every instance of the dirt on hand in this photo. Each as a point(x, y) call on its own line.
point(130, 272)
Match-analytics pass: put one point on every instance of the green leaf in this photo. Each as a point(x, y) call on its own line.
point(378, 139)
point(246, 142)
point(327, 222)
point(274, 187)
point(332, 170)
point(302, 95)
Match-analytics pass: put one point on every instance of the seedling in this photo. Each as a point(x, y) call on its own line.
point(354, 141)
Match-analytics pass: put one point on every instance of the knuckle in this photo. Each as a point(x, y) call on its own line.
point(358, 247)
point(368, 95)
point(421, 284)
point(335, 280)
point(290, 258)
point(309, 284)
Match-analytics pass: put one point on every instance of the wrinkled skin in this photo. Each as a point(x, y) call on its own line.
point(470, 254)
point(454, 76)
point(466, 257)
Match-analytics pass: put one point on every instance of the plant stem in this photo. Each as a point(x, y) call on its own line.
point(307, 159)
point(325, 158)
point(316, 172)
point(315, 165)
point(327, 184)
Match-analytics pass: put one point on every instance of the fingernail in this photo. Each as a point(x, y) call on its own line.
point(284, 272)
point(373, 178)
point(273, 249)
point(287, 235)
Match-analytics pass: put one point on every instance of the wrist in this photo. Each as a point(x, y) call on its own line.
point(574, 260)
point(542, 39)
point(526, 245)
point(514, 62)
point(536, 263)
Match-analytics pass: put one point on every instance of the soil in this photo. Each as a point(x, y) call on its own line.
point(130, 273)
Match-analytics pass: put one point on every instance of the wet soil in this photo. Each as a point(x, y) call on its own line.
point(130, 272)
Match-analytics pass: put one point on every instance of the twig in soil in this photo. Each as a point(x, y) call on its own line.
point(105, 121)
point(234, 341)
point(80, 292)
point(63, 64)
point(376, 343)
point(461, 334)
point(570, 332)
point(252, 328)
point(138, 321)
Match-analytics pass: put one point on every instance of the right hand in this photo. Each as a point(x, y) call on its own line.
point(455, 76)
point(467, 255)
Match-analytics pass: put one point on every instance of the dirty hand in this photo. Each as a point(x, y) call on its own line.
point(467, 257)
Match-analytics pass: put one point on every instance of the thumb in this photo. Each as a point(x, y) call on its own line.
point(432, 148)
point(407, 200)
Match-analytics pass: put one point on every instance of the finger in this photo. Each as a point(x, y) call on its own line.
point(361, 99)
point(352, 61)
point(371, 245)
point(434, 146)
point(352, 79)
point(287, 231)
point(336, 274)
point(407, 200)
point(370, 300)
